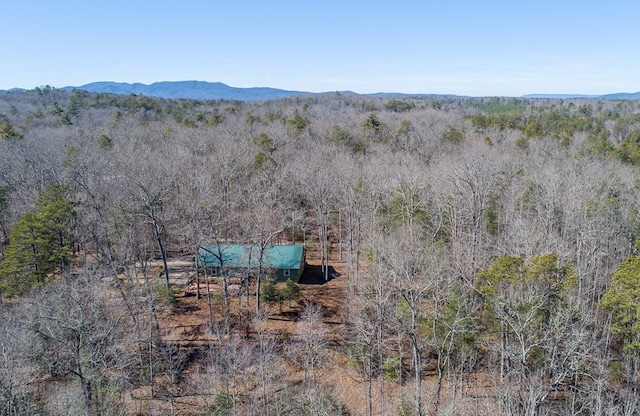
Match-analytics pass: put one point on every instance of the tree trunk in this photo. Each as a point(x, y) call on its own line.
point(370, 376)
point(158, 235)
point(227, 309)
point(86, 395)
point(197, 276)
point(417, 358)
point(209, 308)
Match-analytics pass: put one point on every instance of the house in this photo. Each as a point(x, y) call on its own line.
point(279, 262)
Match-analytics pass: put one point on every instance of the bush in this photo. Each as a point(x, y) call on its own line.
point(290, 292)
point(221, 405)
point(391, 369)
point(164, 294)
point(270, 293)
point(405, 408)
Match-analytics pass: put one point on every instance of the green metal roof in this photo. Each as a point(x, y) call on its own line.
point(239, 255)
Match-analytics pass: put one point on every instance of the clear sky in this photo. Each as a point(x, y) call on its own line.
point(465, 47)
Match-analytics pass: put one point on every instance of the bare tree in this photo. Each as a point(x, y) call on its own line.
point(413, 272)
point(267, 360)
point(17, 375)
point(312, 336)
point(83, 333)
point(229, 361)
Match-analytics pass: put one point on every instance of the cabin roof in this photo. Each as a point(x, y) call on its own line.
point(288, 256)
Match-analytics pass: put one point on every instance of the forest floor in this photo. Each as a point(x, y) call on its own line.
point(188, 319)
point(187, 323)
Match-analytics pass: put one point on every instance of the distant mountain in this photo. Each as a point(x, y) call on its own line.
point(198, 90)
point(616, 96)
point(201, 90)
point(417, 96)
point(561, 96)
point(622, 96)
point(217, 90)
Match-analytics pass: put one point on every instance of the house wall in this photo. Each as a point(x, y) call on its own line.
point(280, 277)
point(295, 274)
point(275, 274)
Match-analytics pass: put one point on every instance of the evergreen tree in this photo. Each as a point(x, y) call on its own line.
point(622, 301)
point(290, 292)
point(270, 293)
point(38, 243)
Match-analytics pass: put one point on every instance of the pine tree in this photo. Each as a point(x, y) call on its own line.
point(290, 292)
point(38, 243)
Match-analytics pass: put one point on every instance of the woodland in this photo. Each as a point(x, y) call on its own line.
point(469, 256)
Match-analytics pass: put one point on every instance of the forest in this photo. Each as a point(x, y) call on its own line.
point(466, 256)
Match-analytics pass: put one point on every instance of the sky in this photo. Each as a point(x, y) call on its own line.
point(463, 47)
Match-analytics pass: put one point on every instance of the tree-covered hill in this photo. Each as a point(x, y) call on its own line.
point(487, 249)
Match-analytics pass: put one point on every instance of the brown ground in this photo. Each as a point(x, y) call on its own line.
point(187, 324)
point(189, 317)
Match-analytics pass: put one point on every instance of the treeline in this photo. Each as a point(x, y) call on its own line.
point(491, 249)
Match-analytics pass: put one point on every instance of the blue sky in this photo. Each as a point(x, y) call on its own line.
point(464, 47)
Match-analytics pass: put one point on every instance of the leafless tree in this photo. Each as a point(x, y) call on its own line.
point(312, 336)
point(17, 375)
point(229, 362)
point(413, 273)
point(83, 332)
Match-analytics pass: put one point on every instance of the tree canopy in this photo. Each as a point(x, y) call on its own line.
point(622, 301)
point(39, 242)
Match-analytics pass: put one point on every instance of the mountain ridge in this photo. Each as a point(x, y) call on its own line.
point(613, 96)
point(217, 90)
point(189, 89)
